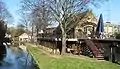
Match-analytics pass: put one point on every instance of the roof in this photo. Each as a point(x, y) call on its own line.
point(110, 24)
point(83, 19)
point(24, 35)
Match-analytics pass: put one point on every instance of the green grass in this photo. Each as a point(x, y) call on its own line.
point(46, 62)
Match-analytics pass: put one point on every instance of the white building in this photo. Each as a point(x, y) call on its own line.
point(24, 37)
point(110, 29)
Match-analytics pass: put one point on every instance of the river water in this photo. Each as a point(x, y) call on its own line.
point(17, 58)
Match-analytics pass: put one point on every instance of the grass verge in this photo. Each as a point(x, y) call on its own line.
point(44, 61)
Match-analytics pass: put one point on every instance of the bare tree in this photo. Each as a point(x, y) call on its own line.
point(62, 10)
point(38, 12)
point(24, 19)
point(4, 13)
point(41, 15)
point(25, 12)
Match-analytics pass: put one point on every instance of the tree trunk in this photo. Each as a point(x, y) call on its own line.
point(63, 43)
point(37, 31)
point(32, 33)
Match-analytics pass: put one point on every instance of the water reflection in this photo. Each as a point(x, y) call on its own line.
point(17, 59)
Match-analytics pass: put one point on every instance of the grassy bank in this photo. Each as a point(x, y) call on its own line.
point(45, 61)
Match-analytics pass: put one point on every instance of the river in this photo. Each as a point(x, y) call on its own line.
point(17, 58)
